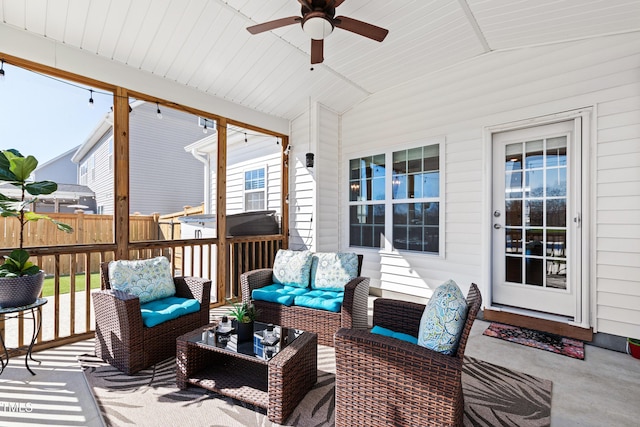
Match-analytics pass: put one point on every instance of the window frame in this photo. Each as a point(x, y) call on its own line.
point(263, 190)
point(386, 243)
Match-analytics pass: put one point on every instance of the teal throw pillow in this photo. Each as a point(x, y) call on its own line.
point(443, 319)
point(292, 268)
point(148, 279)
point(333, 270)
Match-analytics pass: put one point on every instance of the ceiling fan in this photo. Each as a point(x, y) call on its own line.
point(318, 20)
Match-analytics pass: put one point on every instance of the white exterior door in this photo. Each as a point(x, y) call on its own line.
point(536, 227)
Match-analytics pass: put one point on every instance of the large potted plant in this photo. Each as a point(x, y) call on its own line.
point(21, 280)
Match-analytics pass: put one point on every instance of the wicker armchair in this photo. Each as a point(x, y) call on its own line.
point(353, 313)
point(382, 381)
point(121, 338)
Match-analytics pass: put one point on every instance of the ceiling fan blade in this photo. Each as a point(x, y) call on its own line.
point(337, 3)
point(272, 25)
point(359, 27)
point(317, 51)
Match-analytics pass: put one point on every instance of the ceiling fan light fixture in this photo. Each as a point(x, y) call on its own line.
point(317, 27)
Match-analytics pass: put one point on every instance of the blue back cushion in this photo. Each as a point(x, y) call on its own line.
point(333, 270)
point(292, 268)
point(162, 310)
point(148, 279)
point(443, 319)
point(277, 293)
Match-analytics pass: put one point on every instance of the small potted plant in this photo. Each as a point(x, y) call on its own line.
point(244, 315)
point(21, 280)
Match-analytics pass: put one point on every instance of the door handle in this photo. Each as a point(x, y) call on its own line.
point(497, 226)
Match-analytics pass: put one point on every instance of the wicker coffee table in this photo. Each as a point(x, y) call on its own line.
point(277, 384)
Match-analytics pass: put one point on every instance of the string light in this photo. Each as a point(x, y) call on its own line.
point(158, 112)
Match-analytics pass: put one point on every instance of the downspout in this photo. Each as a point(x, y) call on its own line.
point(207, 179)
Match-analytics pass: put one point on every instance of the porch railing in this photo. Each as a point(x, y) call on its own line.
point(68, 315)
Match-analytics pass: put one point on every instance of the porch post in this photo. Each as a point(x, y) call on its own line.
point(285, 193)
point(121, 172)
point(221, 210)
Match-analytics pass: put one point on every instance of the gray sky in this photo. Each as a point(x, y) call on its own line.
point(44, 117)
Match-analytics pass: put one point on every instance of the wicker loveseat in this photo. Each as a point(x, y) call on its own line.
point(352, 314)
point(382, 381)
point(125, 342)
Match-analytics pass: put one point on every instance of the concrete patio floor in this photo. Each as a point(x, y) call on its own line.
point(599, 391)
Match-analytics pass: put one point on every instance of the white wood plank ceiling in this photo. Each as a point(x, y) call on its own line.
point(204, 43)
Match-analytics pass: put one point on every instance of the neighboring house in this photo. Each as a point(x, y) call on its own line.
point(163, 178)
point(67, 199)
point(253, 171)
point(59, 169)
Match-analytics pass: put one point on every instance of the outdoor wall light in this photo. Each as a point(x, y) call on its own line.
point(309, 160)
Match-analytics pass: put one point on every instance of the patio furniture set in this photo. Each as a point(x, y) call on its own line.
point(307, 299)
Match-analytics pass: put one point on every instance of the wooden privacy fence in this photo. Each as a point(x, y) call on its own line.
point(87, 229)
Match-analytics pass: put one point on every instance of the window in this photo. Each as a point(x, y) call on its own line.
point(254, 190)
point(367, 201)
point(92, 167)
point(111, 153)
point(409, 212)
point(83, 174)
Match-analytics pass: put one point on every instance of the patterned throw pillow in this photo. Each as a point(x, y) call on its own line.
point(148, 279)
point(292, 268)
point(333, 270)
point(443, 319)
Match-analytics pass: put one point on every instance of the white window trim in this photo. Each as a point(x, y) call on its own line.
point(263, 190)
point(387, 243)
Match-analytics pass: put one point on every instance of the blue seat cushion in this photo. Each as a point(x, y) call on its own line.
point(321, 300)
point(162, 310)
point(379, 330)
point(278, 293)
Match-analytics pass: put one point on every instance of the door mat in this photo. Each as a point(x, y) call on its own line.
point(536, 339)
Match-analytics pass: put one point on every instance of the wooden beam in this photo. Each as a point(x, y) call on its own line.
point(121, 172)
point(221, 210)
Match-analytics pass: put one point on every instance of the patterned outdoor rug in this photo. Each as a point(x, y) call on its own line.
point(493, 396)
point(536, 339)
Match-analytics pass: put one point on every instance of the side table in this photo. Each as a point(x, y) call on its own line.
point(21, 312)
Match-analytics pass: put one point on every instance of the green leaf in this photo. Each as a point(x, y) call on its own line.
point(20, 256)
point(22, 166)
point(5, 164)
point(41, 187)
point(30, 271)
point(33, 216)
point(62, 226)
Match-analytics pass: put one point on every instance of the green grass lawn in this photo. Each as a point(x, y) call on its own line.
point(65, 284)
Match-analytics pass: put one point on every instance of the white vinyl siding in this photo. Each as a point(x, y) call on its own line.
point(258, 153)
point(458, 104)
